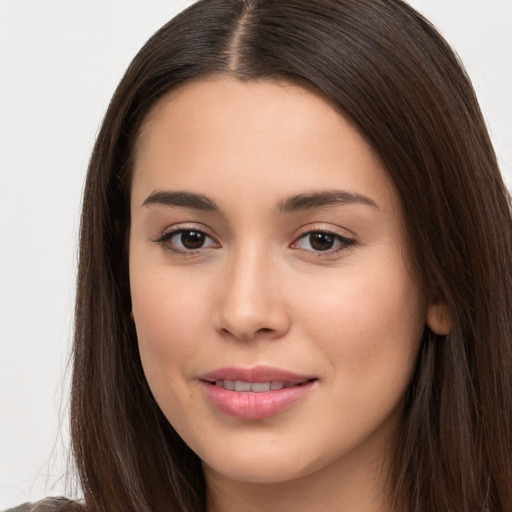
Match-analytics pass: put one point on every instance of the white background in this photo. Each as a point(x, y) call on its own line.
point(60, 61)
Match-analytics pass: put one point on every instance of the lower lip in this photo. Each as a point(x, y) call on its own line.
point(255, 406)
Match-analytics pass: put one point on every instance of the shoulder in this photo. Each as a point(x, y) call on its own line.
point(49, 505)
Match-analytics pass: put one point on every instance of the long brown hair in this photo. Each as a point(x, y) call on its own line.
point(390, 72)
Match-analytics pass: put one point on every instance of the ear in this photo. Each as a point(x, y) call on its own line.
point(439, 317)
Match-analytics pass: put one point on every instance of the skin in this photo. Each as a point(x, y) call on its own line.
point(259, 293)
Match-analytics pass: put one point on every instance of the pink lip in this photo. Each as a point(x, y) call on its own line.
point(251, 405)
point(255, 374)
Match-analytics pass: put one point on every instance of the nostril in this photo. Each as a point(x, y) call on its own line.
point(247, 324)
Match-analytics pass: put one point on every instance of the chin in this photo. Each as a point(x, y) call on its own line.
point(268, 461)
point(267, 471)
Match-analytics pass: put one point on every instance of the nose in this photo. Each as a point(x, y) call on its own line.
point(251, 303)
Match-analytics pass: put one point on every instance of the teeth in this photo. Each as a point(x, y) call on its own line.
point(255, 387)
point(229, 384)
point(242, 386)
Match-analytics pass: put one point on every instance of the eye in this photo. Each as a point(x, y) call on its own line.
point(186, 240)
point(322, 241)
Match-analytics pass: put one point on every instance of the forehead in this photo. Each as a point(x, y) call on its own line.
point(278, 136)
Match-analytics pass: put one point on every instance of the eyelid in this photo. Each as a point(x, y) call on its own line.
point(175, 229)
point(325, 228)
point(347, 241)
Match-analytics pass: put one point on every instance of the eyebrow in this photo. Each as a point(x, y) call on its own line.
point(299, 202)
point(309, 201)
point(181, 199)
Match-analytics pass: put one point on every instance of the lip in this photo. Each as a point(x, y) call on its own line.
point(250, 405)
point(255, 374)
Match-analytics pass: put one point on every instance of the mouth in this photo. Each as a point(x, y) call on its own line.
point(257, 387)
point(255, 393)
point(267, 376)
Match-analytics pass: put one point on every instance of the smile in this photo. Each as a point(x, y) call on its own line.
point(254, 387)
point(255, 393)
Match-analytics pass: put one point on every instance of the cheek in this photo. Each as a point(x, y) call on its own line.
point(367, 328)
point(369, 321)
point(170, 319)
point(171, 328)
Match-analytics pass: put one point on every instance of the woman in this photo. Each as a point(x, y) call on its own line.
point(294, 278)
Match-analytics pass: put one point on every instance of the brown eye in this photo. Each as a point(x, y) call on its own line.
point(321, 241)
point(192, 239)
point(186, 240)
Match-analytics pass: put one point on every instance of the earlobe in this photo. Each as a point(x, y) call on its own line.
point(439, 318)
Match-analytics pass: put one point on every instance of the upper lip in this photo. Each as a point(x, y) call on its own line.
point(255, 374)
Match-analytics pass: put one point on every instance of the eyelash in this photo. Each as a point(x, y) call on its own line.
point(345, 243)
point(165, 239)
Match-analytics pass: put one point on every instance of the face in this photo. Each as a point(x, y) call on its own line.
point(277, 318)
